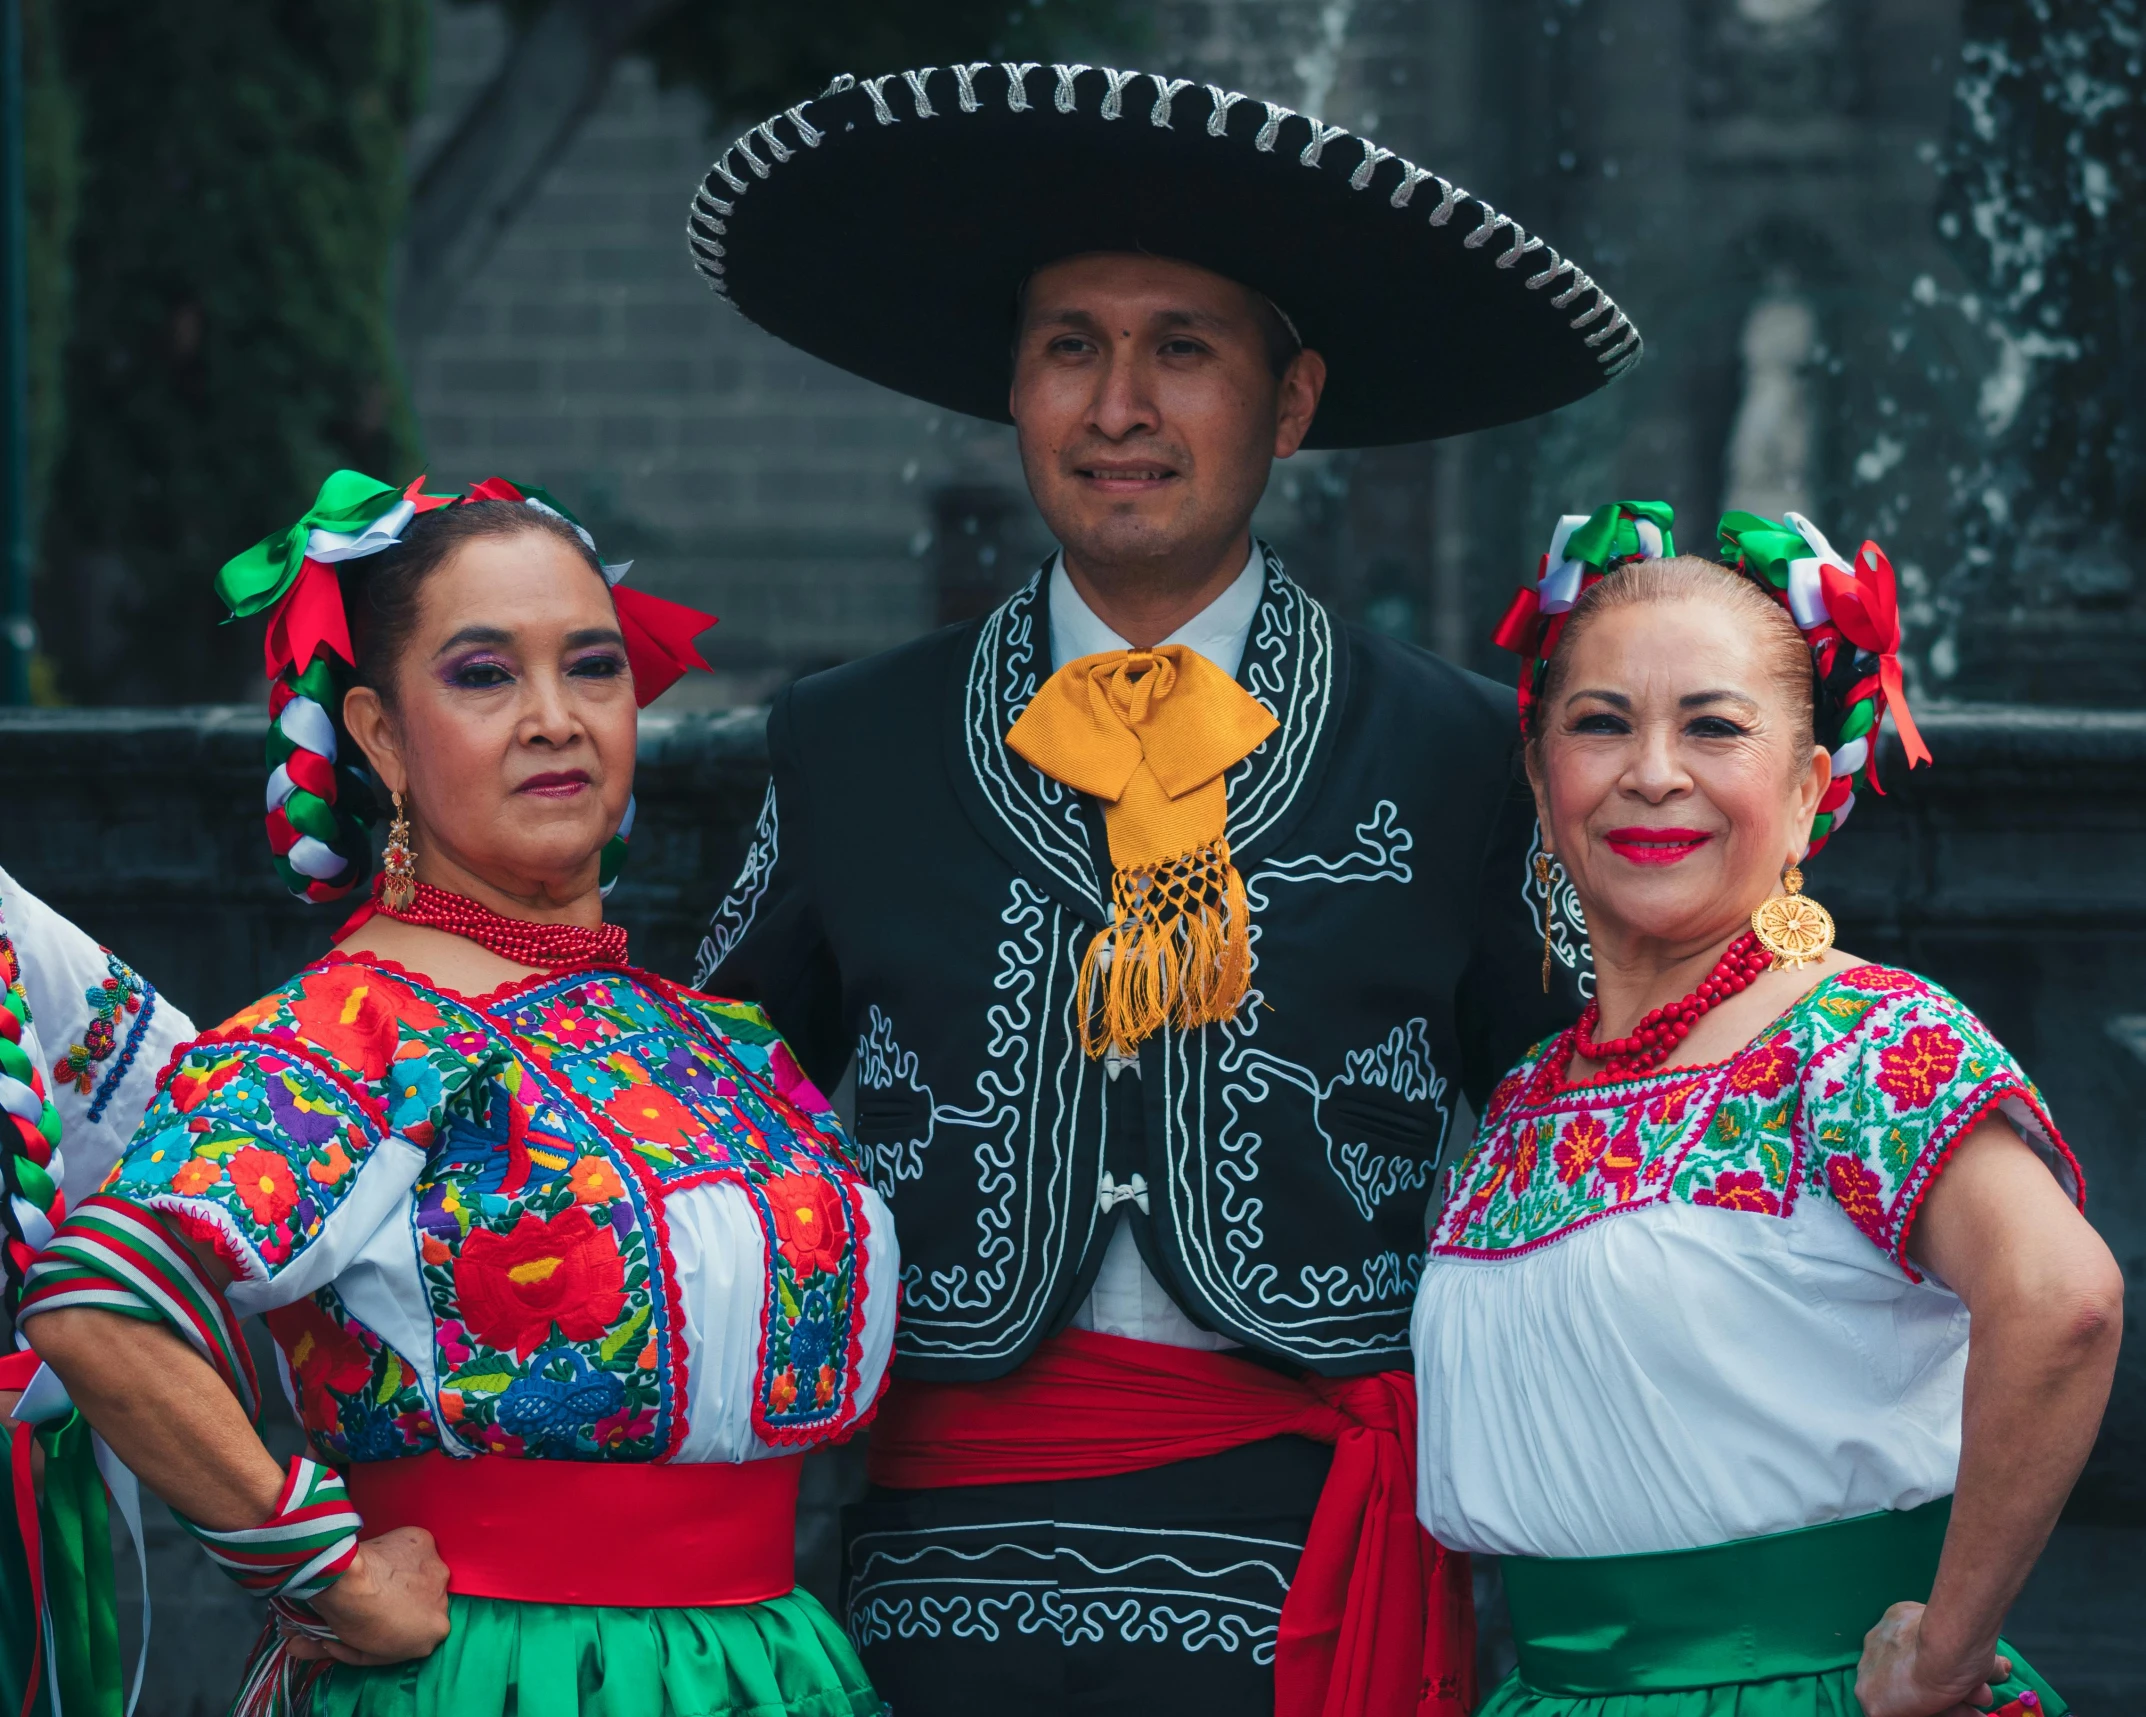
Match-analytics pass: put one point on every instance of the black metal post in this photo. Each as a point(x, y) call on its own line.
point(18, 637)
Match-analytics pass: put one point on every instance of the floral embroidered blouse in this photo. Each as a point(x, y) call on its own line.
point(590, 1216)
point(96, 1030)
point(1677, 1310)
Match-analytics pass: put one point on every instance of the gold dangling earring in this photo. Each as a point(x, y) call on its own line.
point(1542, 881)
point(398, 890)
point(1792, 927)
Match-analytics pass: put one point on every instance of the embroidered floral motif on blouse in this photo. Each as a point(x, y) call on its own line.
point(553, 1119)
point(1857, 1094)
point(122, 996)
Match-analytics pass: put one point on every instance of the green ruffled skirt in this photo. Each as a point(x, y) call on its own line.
point(783, 1658)
point(1830, 1693)
point(1768, 1627)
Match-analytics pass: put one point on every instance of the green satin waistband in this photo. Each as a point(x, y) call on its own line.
point(1794, 1603)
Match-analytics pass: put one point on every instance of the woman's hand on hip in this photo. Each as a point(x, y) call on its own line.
point(1898, 1677)
point(391, 1606)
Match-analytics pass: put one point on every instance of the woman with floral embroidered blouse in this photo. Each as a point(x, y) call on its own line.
point(566, 1265)
point(1692, 1344)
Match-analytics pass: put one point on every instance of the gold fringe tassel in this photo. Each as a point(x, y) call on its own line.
point(1176, 952)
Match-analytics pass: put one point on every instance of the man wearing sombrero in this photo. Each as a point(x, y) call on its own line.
point(1167, 917)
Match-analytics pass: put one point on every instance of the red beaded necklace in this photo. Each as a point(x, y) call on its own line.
point(546, 947)
point(1662, 1030)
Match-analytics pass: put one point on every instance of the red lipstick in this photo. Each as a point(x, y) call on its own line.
point(561, 784)
point(1655, 846)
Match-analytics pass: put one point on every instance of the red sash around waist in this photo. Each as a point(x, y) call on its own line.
point(1380, 1619)
point(633, 1534)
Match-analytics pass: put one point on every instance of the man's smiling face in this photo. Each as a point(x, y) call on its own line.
point(1151, 397)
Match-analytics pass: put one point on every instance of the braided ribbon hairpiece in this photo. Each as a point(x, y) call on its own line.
point(1583, 550)
point(1849, 616)
point(318, 794)
point(29, 1128)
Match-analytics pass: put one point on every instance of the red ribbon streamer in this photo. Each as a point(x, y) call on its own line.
point(1379, 1620)
point(309, 618)
point(16, 1372)
point(1865, 605)
point(1521, 628)
point(659, 640)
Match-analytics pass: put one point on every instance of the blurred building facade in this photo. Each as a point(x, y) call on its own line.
point(1754, 179)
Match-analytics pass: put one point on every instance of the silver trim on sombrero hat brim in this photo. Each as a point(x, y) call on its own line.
point(944, 95)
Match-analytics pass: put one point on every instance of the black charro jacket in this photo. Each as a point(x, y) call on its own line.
point(919, 897)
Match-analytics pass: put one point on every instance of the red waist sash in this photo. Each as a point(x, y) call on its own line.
point(1380, 1619)
point(633, 1534)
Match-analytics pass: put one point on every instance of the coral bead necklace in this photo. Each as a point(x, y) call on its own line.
point(546, 947)
point(1656, 1037)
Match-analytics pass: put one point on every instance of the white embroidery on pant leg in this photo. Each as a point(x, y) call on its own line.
point(1142, 1585)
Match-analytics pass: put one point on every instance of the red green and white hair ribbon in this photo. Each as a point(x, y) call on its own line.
point(30, 1141)
point(320, 803)
point(1584, 548)
point(1848, 614)
point(1850, 617)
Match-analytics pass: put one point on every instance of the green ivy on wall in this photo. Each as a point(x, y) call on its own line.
point(238, 177)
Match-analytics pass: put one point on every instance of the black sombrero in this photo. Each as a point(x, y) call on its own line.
point(886, 225)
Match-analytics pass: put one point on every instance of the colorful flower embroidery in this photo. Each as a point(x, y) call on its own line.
point(575, 1027)
point(1857, 1097)
point(1740, 1189)
point(265, 1184)
point(596, 1182)
point(345, 1010)
point(1524, 1154)
point(513, 1287)
point(1579, 1148)
point(1623, 1158)
point(1859, 1192)
point(552, 1127)
point(808, 1222)
point(1766, 1069)
point(1879, 980)
point(120, 995)
point(1915, 1069)
point(648, 1112)
point(195, 1176)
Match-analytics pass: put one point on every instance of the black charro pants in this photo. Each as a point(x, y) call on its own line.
point(1150, 1593)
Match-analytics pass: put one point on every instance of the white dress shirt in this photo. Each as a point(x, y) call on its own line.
point(1126, 1299)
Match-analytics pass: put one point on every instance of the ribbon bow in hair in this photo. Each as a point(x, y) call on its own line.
point(317, 830)
point(1582, 549)
point(659, 633)
point(1834, 604)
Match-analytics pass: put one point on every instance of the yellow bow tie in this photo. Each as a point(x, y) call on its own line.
point(1152, 733)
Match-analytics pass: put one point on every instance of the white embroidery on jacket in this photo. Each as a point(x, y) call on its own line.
point(1569, 945)
point(734, 915)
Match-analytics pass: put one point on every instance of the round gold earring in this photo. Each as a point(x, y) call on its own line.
point(398, 865)
point(1542, 881)
point(1792, 927)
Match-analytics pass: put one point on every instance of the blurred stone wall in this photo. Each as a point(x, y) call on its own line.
point(1755, 180)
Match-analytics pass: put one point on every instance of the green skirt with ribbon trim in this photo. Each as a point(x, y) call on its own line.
point(1766, 1627)
point(782, 1658)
